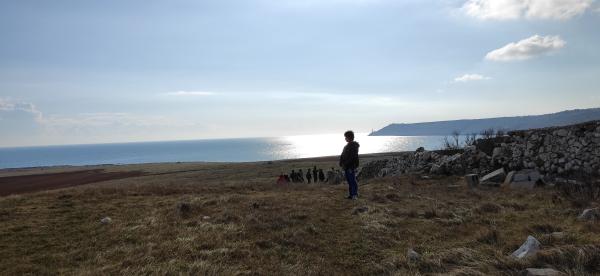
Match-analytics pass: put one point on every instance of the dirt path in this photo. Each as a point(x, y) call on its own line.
point(50, 181)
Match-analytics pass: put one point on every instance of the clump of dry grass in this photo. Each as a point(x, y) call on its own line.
point(489, 236)
point(489, 207)
point(578, 260)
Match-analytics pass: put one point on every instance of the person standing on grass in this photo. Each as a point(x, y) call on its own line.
point(293, 176)
point(300, 176)
point(321, 175)
point(349, 163)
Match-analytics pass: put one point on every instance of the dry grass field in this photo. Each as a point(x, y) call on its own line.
point(241, 223)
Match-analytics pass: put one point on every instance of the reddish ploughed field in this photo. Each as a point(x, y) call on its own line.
point(32, 183)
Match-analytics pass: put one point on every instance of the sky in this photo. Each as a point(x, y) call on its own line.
point(78, 72)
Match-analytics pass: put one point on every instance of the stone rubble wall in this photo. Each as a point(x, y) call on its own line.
point(554, 152)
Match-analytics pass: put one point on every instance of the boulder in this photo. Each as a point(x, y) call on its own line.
point(509, 178)
point(541, 272)
point(528, 249)
point(494, 178)
point(562, 132)
point(590, 215)
point(525, 179)
point(412, 255)
point(106, 220)
point(497, 152)
point(435, 169)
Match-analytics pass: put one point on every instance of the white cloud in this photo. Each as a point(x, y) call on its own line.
point(190, 93)
point(531, 9)
point(527, 48)
point(494, 9)
point(11, 106)
point(471, 77)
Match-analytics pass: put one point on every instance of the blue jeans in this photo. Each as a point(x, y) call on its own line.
point(351, 179)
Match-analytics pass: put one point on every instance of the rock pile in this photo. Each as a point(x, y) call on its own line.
point(555, 151)
point(545, 153)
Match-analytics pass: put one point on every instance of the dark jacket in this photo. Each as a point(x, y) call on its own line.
point(349, 157)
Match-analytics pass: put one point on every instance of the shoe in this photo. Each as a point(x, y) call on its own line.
point(355, 197)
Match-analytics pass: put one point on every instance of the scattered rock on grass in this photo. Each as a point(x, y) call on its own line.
point(590, 215)
point(525, 179)
point(494, 178)
point(541, 272)
point(359, 210)
point(528, 249)
point(205, 217)
point(106, 220)
point(412, 255)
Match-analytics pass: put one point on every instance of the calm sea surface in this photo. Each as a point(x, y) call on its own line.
point(217, 150)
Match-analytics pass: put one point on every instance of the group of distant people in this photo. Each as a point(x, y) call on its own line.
point(348, 162)
point(313, 175)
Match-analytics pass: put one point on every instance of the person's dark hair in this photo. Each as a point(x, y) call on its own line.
point(349, 134)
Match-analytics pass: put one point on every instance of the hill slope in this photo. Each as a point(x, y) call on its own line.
point(478, 125)
point(238, 222)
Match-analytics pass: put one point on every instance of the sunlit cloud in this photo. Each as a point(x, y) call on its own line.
point(527, 48)
point(471, 77)
point(530, 9)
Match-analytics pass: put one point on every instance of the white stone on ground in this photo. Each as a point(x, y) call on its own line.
point(590, 214)
point(528, 249)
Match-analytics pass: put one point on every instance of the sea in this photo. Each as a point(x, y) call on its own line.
point(208, 150)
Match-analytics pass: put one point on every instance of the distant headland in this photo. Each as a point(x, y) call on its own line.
point(477, 126)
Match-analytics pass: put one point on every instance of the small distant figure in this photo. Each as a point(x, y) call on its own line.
point(349, 163)
point(315, 174)
point(308, 176)
point(293, 176)
point(281, 180)
point(330, 176)
point(300, 176)
point(287, 178)
point(337, 179)
point(321, 175)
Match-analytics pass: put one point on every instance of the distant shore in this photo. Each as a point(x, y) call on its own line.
point(35, 179)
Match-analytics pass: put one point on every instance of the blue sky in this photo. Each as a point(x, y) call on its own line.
point(121, 71)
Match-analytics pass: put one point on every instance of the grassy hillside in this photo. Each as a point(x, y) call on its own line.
point(240, 222)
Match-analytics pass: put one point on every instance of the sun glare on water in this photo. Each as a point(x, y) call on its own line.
point(301, 146)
